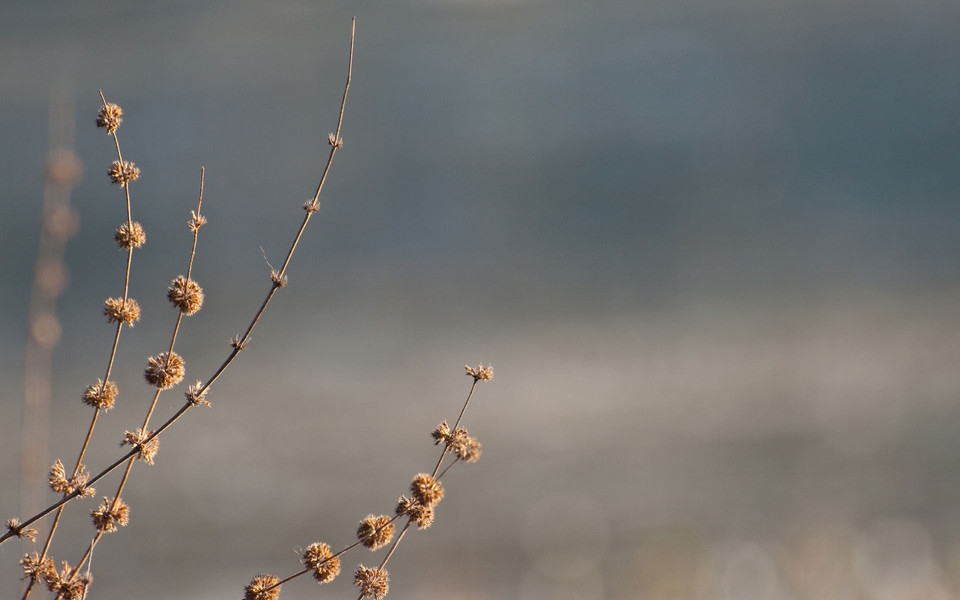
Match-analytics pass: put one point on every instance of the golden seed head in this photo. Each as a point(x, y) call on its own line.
point(376, 532)
point(147, 449)
point(130, 235)
point(164, 371)
point(122, 173)
point(116, 311)
point(36, 569)
point(23, 533)
point(67, 584)
point(440, 434)
point(311, 206)
point(426, 490)
point(480, 373)
point(278, 279)
point(110, 117)
point(109, 514)
point(186, 295)
point(334, 140)
point(101, 394)
point(324, 565)
point(196, 394)
point(466, 448)
point(422, 515)
point(263, 587)
point(373, 583)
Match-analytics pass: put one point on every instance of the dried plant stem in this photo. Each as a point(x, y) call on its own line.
point(239, 344)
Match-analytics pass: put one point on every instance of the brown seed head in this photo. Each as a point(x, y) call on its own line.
point(375, 532)
point(440, 434)
point(196, 394)
point(311, 206)
point(373, 583)
point(23, 533)
point(196, 221)
point(109, 514)
point(147, 449)
point(36, 569)
point(116, 310)
point(164, 371)
point(186, 295)
point(130, 235)
point(122, 173)
point(324, 565)
point(262, 588)
point(101, 394)
point(426, 490)
point(110, 117)
point(67, 584)
point(278, 279)
point(334, 140)
point(480, 373)
point(422, 515)
point(60, 484)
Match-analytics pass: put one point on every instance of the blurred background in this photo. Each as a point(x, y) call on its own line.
point(710, 248)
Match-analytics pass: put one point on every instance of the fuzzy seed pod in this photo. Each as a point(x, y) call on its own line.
point(325, 566)
point(122, 173)
point(164, 372)
point(426, 490)
point(110, 117)
point(375, 532)
point(116, 311)
point(186, 295)
point(373, 583)
point(130, 235)
point(101, 394)
point(262, 588)
point(110, 514)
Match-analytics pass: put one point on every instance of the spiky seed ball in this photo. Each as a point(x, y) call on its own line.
point(122, 173)
point(426, 490)
point(163, 371)
point(373, 583)
point(324, 565)
point(101, 394)
point(262, 588)
point(138, 439)
point(186, 295)
point(375, 532)
point(422, 515)
point(130, 235)
point(117, 310)
point(110, 117)
point(110, 514)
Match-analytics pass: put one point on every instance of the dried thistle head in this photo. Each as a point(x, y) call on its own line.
point(110, 117)
point(196, 394)
point(130, 235)
point(101, 394)
point(466, 448)
point(122, 173)
point(109, 514)
point(311, 206)
point(441, 434)
point(67, 584)
point(480, 373)
point(426, 489)
point(23, 533)
point(196, 221)
point(278, 279)
point(334, 140)
point(263, 587)
point(147, 450)
point(186, 295)
point(119, 311)
point(321, 562)
point(164, 370)
point(376, 531)
point(373, 583)
point(422, 515)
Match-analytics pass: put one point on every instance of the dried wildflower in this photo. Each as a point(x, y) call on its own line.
point(67, 585)
point(110, 514)
point(23, 533)
point(441, 434)
point(422, 515)
point(426, 490)
point(196, 221)
point(60, 484)
point(196, 394)
point(110, 117)
point(101, 394)
point(263, 587)
point(324, 565)
point(466, 448)
point(480, 373)
point(186, 295)
point(36, 568)
point(373, 583)
point(130, 235)
point(147, 450)
point(334, 140)
point(278, 279)
point(164, 371)
point(311, 206)
point(122, 173)
point(119, 311)
point(376, 532)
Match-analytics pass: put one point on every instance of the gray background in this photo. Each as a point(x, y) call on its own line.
point(710, 248)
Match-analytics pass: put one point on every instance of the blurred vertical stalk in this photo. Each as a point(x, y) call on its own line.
point(59, 222)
